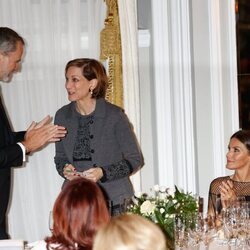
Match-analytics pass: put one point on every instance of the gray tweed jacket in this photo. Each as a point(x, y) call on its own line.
point(112, 141)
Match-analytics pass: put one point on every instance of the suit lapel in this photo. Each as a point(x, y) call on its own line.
point(3, 116)
point(69, 141)
point(5, 128)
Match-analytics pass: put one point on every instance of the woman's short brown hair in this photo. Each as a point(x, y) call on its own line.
point(92, 69)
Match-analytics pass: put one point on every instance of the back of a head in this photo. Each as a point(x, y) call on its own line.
point(130, 232)
point(9, 39)
point(79, 210)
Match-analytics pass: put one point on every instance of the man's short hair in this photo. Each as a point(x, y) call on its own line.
point(9, 39)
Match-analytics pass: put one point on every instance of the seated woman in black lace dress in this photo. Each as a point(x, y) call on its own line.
point(238, 184)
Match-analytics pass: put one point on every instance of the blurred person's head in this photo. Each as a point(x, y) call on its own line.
point(78, 212)
point(11, 52)
point(130, 232)
point(85, 79)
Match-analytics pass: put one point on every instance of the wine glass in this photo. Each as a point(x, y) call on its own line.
point(126, 204)
point(218, 210)
point(51, 221)
point(196, 231)
point(218, 205)
point(110, 206)
point(243, 225)
point(180, 232)
point(241, 199)
point(208, 231)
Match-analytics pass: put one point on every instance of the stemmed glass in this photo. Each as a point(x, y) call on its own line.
point(220, 206)
point(218, 209)
point(243, 225)
point(109, 204)
point(233, 222)
point(180, 232)
point(51, 221)
point(126, 204)
point(208, 231)
point(196, 231)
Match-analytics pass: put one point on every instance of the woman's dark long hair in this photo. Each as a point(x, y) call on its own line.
point(244, 137)
point(78, 212)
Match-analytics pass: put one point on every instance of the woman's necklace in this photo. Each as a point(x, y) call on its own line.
point(83, 111)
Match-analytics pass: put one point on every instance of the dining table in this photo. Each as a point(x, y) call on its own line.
point(214, 245)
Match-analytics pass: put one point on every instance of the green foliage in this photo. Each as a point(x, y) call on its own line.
point(163, 207)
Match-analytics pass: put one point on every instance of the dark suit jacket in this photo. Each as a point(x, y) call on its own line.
point(10, 153)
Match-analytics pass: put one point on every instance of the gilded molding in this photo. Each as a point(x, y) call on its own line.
point(111, 53)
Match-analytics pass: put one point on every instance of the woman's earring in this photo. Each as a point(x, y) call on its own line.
point(91, 91)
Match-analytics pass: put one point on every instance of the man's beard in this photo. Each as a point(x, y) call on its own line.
point(7, 78)
point(6, 74)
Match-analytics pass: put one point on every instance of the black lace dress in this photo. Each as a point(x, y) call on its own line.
point(241, 189)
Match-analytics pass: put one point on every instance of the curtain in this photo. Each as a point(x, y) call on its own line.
point(129, 40)
point(55, 31)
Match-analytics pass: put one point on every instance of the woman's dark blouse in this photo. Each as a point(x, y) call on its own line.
point(241, 189)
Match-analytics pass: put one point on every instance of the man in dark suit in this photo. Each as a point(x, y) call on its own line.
point(14, 146)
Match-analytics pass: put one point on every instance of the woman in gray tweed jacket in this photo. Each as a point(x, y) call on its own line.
point(100, 144)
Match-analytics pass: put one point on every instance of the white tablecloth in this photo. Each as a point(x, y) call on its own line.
point(212, 246)
point(11, 245)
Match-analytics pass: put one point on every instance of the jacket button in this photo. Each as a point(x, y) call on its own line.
point(92, 151)
point(91, 136)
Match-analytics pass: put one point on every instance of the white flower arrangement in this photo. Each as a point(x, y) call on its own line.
point(147, 207)
point(163, 206)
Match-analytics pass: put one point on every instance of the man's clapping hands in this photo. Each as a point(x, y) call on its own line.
point(41, 133)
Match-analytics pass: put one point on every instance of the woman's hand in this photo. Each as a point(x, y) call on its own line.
point(70, 172)
point(227, 192)
point(94, 174)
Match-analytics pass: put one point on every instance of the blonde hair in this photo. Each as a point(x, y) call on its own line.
point(129, 232)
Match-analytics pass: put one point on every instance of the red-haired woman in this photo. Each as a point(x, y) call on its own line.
point(79, 211)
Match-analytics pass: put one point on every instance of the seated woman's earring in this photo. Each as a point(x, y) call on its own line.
point(91, 91)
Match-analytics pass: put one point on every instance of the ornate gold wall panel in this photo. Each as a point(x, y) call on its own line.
point(111, 53)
